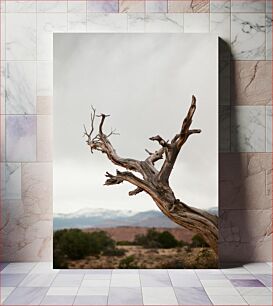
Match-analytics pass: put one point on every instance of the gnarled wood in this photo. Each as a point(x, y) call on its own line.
point(156, 182)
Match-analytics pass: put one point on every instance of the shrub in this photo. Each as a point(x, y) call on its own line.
point(101, 241)
point(128, 263)
point(155, 239)
point(76, 244)
point(167, 240)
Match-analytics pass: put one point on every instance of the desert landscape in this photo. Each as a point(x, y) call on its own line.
point(113, 239)
point(131, 248)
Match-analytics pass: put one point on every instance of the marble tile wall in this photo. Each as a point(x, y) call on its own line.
point(245, 111)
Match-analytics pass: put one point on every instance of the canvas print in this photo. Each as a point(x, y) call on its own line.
point(135, 151)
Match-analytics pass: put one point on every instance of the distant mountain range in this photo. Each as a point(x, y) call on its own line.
point(97, 217)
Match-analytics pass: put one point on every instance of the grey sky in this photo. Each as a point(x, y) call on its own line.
point(145, 81)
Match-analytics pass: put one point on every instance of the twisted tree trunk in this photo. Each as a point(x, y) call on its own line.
point(156, 182)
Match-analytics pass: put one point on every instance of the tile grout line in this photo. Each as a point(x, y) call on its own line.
point(107, 300)
point(176, 296)
point(78, 288)
point(203, 286)
point(141, 288)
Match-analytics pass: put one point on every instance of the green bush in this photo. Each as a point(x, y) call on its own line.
point(198, 242)
point(76, 244)
point(155, 239)
point(72, 243)
point(167, 240)
point(149, 240)
point(101, 241)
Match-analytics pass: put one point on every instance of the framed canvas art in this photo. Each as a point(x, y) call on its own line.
point(135, 151)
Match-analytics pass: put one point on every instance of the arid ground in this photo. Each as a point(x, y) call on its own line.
point(175, 258)
point(133, 247)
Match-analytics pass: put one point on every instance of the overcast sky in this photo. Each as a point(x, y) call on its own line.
point(145, 81)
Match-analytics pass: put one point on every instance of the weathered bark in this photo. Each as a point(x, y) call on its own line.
point(156, 182)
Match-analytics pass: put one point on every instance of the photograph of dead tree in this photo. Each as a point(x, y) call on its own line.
point(135, 151)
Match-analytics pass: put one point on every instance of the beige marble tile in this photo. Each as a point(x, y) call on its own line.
point(44, 138)
point(245, 235)
point(24, 237)
point(37, 189)
point(252, 83)
point(131, 6)
point(12, 229)
point(188, 6)
point(44, 105)
point(39, 249)
point(244, 181)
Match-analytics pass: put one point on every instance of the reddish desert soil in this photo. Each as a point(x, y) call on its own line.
point(125, 233)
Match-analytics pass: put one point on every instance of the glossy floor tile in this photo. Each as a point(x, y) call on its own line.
point(40, 284)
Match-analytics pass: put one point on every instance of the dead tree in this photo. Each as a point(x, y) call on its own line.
point(153, 181)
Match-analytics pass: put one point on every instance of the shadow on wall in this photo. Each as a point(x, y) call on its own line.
point(244, 182)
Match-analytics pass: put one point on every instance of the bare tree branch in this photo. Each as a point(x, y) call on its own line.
point(135, 191)
point(156, 182)
point(154, 156)
point(177, 143)
point(101, 143)
point(160, 140)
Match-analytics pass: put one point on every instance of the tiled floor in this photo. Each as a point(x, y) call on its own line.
point(39, 284)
